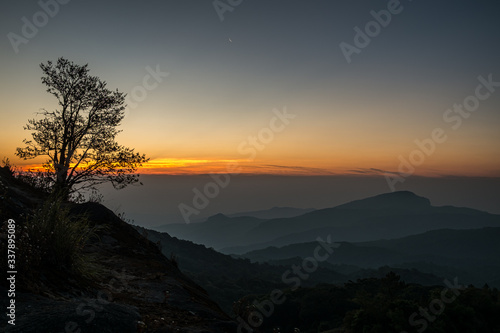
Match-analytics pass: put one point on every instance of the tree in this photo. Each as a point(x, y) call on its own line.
point(79, 136)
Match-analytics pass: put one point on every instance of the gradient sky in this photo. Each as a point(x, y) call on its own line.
point(226, 78)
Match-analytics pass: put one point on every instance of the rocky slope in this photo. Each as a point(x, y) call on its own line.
point(138, 289)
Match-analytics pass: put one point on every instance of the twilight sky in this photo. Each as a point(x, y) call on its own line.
point(269, 87)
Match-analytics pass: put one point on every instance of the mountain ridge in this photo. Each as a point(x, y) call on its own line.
point(388, 215)
point(473, 253)
point(403, 199)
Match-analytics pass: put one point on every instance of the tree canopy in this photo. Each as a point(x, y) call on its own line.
point(78, 137)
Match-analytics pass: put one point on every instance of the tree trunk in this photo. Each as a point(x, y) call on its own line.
point(61, 188)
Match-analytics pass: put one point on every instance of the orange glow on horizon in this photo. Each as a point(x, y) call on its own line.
point(182, 166)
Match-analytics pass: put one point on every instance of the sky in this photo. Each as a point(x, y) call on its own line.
point(157, 202)
point(306, 88)
point(225, 78)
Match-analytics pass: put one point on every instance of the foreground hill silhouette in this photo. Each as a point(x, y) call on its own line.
point(137, 289)
point(378, 305)
point(227, 279)
point(386, 216)
point(330, 302)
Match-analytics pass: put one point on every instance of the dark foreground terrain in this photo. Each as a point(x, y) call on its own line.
point(128, 285)
point(137, 289)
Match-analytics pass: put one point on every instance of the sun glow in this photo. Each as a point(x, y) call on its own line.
point(176, 166)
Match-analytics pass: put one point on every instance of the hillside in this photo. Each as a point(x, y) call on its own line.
point(135, 289)
point(228, 279)
point(472, 254)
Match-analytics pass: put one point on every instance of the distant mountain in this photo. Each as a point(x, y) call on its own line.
point(274, 213)
point(345, 254)
point(267, 214)
point(472, 254)
point(474, 247)
point(404, 200)
point(385, 216)
point(217, 231)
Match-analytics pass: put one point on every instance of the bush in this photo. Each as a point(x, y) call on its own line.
point(52, 241)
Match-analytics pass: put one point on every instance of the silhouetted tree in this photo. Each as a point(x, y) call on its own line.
point(79, 136)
